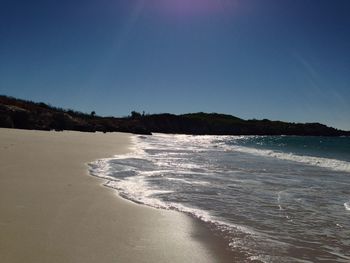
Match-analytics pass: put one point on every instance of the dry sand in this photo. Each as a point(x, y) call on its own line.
point(51, 210)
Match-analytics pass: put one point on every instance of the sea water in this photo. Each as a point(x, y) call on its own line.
point(272, 198)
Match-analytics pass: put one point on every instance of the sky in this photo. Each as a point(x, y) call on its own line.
point(277, 59)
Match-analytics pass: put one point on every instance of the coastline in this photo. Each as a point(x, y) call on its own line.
point(52, 211)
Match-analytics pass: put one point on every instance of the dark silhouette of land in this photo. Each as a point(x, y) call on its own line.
point(22, 114)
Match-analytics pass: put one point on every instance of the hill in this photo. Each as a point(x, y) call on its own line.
point(22, 114)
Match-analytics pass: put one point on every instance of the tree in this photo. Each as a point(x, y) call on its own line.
point(135, 115)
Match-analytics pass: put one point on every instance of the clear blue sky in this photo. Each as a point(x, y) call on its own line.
point(281, 59)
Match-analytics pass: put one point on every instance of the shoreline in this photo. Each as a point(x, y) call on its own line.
point(52, 211)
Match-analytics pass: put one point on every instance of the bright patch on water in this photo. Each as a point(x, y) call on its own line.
point(273, 198)
point(347, 206)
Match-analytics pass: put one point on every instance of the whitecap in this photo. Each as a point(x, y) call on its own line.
point(333, 164)
point(347, 206)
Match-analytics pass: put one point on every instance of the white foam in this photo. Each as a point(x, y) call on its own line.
point(333, 164)
point(136, 189)
point(155, 173)
point(191, 182)
point(347, 206)
point(260, 258)
point(166, 162)
point(179, 180)
point(279, 200)
point(212, 142)
point(100, 168)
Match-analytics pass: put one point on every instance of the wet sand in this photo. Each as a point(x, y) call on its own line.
point(51, 210)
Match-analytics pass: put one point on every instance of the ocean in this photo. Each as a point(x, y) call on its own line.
point(272, 198)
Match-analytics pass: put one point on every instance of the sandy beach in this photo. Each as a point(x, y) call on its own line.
point(51, 210)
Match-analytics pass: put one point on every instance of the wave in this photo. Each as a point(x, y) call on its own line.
point(333, 164)
point(137, 189)
point(347, 206)
point(180, 172)
point(218, 143)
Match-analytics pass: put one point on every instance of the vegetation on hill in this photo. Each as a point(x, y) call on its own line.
point(22, 114)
